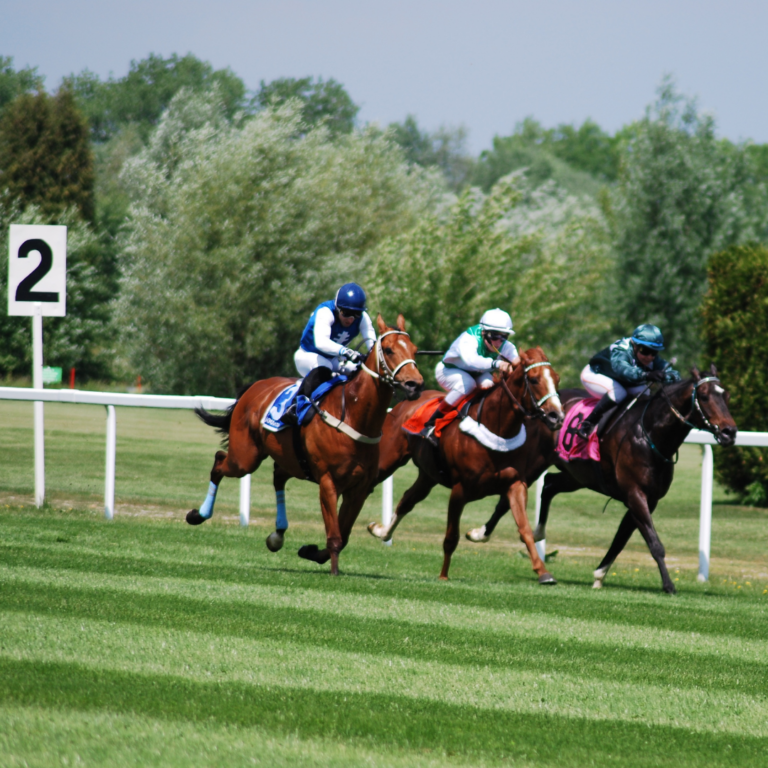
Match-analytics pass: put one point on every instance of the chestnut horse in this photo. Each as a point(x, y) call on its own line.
point(340, 444)
point(637, 461)
point(466, 466)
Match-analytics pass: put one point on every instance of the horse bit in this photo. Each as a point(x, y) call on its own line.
point(388, 376)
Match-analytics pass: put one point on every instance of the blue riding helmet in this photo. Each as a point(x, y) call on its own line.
point(350, 296)
point(647, 335)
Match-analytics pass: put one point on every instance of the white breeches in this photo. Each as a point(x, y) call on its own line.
point(598, 385)
point(458, 382)
point(307, 361)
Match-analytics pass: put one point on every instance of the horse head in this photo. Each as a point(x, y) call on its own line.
point(709, 407)
point(537, 381)
point(392, 357)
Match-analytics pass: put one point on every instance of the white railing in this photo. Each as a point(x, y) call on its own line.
point(112, 399)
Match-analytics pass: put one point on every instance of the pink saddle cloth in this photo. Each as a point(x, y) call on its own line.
point(569, 445)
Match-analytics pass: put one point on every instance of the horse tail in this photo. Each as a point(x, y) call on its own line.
point(221, 422)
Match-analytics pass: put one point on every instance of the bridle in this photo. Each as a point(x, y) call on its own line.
point(695, 406)
point(383, 372)
point(538, 411)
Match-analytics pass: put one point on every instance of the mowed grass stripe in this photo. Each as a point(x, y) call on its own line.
point(519, 623)
point(376, 720)
point(204, 657)
point(213, 558)
point(32, 737)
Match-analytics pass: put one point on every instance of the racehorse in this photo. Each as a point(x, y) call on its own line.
point(338, 449)
point(637, 451)
point(471, 470)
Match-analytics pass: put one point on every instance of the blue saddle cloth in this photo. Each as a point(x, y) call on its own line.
point(272, 419)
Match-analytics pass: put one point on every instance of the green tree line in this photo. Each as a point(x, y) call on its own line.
point(208, 220)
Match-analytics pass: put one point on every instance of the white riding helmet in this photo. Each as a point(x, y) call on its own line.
point(497, 320)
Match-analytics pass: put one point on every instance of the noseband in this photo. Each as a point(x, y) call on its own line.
point(387, 375)
point(538, 411)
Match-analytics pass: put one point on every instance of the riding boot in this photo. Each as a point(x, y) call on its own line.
point(605, 404)
point(428, 431)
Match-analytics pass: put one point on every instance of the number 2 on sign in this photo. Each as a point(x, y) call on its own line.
point(24, 291)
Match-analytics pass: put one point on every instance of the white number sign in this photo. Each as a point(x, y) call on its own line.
point(37, 270)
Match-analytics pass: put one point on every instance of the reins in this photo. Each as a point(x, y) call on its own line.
point(388, 376)
point(538, 411)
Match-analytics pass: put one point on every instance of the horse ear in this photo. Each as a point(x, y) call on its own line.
point(401, 322)
point(695, 373)
point(382, 326)
point(712, 370)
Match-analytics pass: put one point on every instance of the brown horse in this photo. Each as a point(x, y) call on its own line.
point(637, 450)
point(340, 446)
point(470, 469)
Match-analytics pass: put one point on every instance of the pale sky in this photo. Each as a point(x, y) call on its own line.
point(485, 64)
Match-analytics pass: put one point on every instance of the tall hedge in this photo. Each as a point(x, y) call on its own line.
point(735, 327)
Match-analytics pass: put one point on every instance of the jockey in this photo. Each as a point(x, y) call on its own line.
point(331, 327)
point(471, 360)
point(624, 368)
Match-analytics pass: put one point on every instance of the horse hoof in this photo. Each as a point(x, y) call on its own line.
point(309, 552)
point(598, 584)
point(671, 589)
point(375, 529)
point(477, 535)
point(547, 578)
point(195, 518)
point(275, 541)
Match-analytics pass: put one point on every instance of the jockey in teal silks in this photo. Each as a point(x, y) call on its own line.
point(471, 360)
point(624, 368)
point(331, 328)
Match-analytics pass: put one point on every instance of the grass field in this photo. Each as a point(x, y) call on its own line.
point(147, 642)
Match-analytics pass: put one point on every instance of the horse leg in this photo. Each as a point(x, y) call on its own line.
point(275, 539)
point(328, 500)
point(561, 482)
point(416, 493)
point(638, 506)
point(224, 465)
point(451, 541)
point(351, 504)
point(627, 527)
point(483, 533)
point(517, 496)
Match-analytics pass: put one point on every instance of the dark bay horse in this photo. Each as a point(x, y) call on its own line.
point(471, 470)
point(340, 445)
point(637, 459)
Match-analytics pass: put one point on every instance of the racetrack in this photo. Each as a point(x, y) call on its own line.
point(147, 642)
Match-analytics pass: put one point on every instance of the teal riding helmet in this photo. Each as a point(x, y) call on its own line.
point(647, 335)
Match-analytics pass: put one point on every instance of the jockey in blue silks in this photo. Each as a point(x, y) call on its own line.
point(331, 328)
point(624, 368)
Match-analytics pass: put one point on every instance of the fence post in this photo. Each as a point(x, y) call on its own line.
point(386, 504)
point(541, 546)
point(109, 476)
point(37, 383)
point(705, 511)
point(245, 500)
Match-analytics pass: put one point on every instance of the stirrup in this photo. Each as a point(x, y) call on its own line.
point(585, 430)
point(428, 433)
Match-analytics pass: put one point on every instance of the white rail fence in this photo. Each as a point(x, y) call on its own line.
point(112, 399)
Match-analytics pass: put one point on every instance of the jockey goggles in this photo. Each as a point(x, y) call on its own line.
point(647, 351)
point(350, 312)
point(496, 336)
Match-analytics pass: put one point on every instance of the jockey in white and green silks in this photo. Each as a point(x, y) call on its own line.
point(471, 360)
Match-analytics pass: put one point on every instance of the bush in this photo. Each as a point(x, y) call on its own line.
point(735, 324)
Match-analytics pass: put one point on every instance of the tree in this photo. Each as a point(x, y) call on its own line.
point(445, 149)
point(238, 231)
point(45, 154)
point(141, 96)
point(538, 253)
point(682, 195)
point(15, 82)
point(322, 101)
point(735, 330)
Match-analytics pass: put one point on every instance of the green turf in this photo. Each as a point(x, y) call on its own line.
point(146, 642)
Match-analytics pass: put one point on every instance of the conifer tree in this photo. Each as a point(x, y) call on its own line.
point(45, 154)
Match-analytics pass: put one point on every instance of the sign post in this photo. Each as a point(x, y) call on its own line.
point(37, 287)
